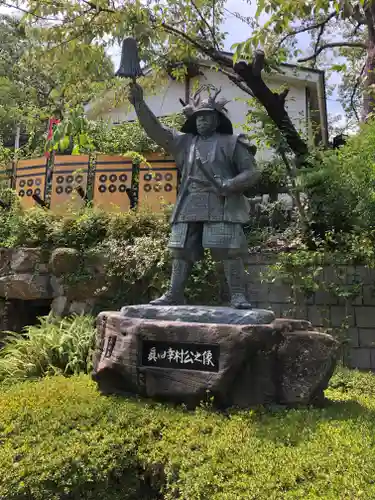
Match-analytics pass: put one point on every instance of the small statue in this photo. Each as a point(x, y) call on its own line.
point(216, 168)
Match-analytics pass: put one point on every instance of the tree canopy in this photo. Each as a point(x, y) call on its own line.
point(38, 80)
point(181, 30)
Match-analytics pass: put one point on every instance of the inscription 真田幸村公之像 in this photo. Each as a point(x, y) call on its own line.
point(186, 356)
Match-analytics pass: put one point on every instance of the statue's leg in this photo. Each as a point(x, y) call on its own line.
point(234, 270)
point(181, 270)
point(183, 260)
point(228, 244)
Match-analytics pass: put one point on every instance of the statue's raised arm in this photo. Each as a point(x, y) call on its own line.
point(162, 135)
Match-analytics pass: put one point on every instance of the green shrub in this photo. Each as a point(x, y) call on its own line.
point(134, 243)
point(129, 136)
point(62, 440)
point(53, 346)
point(341, 185)
point(82, 229)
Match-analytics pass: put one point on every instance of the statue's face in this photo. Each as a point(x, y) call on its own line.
point(207, 122)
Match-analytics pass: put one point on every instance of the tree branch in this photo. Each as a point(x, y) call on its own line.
point(249, 79)
point(273, 103)
point(203, 19)
point(308, 28)
point(208, 51)
point(238, 82)
point(355, 88)
point(333, 45)
point(370, 23)
point(11, 6)
point(98, 8)
point(318, 38)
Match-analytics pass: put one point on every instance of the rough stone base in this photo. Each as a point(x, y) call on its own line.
point(243, 365)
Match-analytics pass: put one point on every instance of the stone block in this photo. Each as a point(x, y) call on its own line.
point(86, 289)
point(260, 258)
point(322, 297)
point(276, 308)
point(253, 273)
point(365, 317)
point(319, 316)
point(372, 359)
point(360, 358)
point(81, 308)
point(306, 299)
point(352, 335)
point(351, 275)
point(367, 337)
point(258, 292)
point(57, 286)
point(59, 306)
point(365, 275)
point(5, 259)
point(280, 293)
point(27, 260)
point(368, 295)
point(64, 261)
point(300, 312)
point(356, 300)
point(256, 274)
point(342, 316)
point(235, 363)
point(341, 275)
point(25, 286)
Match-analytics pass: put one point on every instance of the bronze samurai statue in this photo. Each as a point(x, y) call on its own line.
point(217, 167)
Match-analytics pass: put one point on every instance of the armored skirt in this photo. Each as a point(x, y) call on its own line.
point(225, 240)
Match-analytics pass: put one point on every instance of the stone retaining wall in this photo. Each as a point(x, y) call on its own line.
point(352, 319)
point(39, 277)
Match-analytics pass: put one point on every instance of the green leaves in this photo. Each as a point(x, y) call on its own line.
point(64, 143)
point(260, 8)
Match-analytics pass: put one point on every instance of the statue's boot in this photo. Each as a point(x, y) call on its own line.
point(235, 275)
point(181, 270)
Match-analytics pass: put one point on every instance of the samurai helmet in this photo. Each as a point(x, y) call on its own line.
point(210, 104)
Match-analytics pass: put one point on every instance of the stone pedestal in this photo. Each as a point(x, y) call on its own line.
point(186, 353)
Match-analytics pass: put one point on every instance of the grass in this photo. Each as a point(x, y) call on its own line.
point(62, 440)
point(51, 347)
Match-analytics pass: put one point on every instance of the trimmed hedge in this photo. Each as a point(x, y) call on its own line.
point(62, 440)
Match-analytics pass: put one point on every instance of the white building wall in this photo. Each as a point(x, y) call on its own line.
point(166, 102)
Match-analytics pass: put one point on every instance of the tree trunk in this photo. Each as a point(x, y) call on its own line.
point(274, 105)
point(369, 78)
point(369, 81)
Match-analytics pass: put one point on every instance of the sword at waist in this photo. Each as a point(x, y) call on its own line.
point(205, 184)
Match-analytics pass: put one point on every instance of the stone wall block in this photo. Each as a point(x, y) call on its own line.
point(318, 316)
point(360, 358)
point(323, 297)
point(25, 287)
point(369, 295)
point(365, 316)
point(26, 260)
point(259, 292)
point(341, 315)
point(353, 336)
point(5, 259)
point(64, 261)
point(365, 275)
point(367, 337)
point(280, 293)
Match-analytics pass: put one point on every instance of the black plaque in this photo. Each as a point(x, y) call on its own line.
point(181, 356)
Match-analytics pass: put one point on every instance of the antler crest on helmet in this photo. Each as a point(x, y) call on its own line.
point(211, 102)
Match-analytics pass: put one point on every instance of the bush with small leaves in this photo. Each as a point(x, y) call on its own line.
point(60, 439)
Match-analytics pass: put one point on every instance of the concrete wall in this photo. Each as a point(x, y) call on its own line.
point(352, 319)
